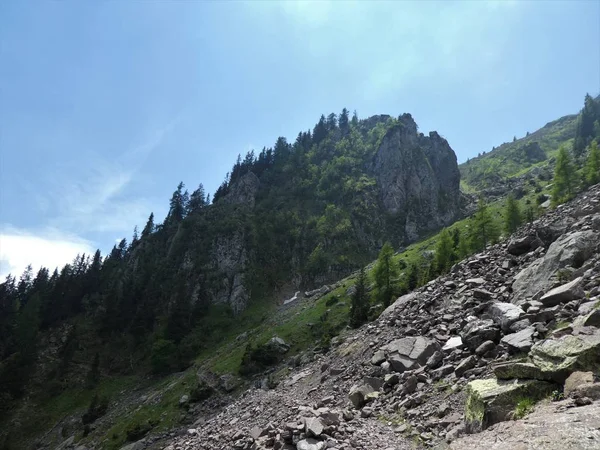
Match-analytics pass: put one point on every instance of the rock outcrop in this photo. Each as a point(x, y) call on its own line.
point(418, 177)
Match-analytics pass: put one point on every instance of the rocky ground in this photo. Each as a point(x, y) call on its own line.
point(467, 353)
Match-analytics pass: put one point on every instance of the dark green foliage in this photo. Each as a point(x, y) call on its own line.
point(257, 358)
point(564, 178)
point(484, 229)
point(384, 274)
point(512, 215)
point(592, 165)
point(93, 375)
point(412, 277)
point(200, 392)
point(97, 408)
point(359, 312)
point(164, 356)
point(586, 125)
point(137, 430)
point(444, 252)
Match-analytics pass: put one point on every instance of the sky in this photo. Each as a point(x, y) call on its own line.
point(106, 106)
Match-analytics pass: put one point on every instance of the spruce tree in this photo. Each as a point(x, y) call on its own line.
point(483, 228)
point(359, 311)
point(149, 228)
point(563, 177)
point(592, 165)
point(512, 215)
point(444, 254)
point(384, 273)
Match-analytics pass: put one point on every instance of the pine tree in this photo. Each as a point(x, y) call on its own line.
point(563, 178)
point(177, 205)
point(149, 228)
point(384, 273)
point(592, 165)
point(585, 126)
point(359, 311)
point(93, 376)
point(343, 121)
point(483, 228)
point(512, 215)
point(198, 200)
point(412, 277)
point(444, 254)
point(354, 120)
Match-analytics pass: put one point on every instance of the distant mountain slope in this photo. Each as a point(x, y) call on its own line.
point(510, 159)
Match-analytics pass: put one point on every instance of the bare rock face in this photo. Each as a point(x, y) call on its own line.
point(570, 250)
point(418, 177)
point(244, 190)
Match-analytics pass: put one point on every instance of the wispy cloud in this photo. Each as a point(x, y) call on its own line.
point(92, 196)
point(50, 248)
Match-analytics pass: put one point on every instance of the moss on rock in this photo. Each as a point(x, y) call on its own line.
point(491, 401)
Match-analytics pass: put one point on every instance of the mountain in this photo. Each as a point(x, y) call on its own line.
point(174, 324)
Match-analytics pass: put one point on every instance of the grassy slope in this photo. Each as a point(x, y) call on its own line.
point(505, 161)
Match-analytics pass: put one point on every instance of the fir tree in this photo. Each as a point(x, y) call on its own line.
point(563, 178)
point(444, 254)
point(483, 228)
point(149, 228)
point(384, 273)
point(343, 121)
point(592, 165)
point(359, 310)
point(512, 215)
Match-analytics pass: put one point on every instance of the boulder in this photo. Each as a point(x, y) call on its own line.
point(519, 342)
point(522, 370)
point(359, 395)
point(571, 249)
point(520, 246)
point(466, 364)
point(505, 314)
point(558, 358)
point(410, 352)
point(576, 379)
point(564, 293)
point(313, 427)
point(453, 343)
point(491, 401)
point(478, 331)
point(310, 444)
point(592, 319)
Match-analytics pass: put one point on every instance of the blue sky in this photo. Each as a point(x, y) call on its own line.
point(105, 106)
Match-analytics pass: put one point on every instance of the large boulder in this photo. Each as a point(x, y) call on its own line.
point(569, 250)
point(505, 314)
point(520, 342)
point(558, 358)
point(564, 293)
point(491, 401)
point(478, 331)
point(410, 352)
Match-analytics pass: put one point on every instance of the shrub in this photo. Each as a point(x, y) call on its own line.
point(97, 408)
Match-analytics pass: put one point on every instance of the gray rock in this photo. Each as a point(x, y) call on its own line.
point(378, 358)
point(564, 293)
point(478, 331)
point(414, 173)
point(465, 365)
point(453, 343)
point(310, 444)
point(592, 319)
point(558, 358)
point(313, 427)
point(491, 401)
point(410, 352)
point(519, 342)
point(568, 250)
point(505, 314)
point(358, 395)
point(484, 348)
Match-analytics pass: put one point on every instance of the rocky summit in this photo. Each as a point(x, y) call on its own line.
point(471, 352)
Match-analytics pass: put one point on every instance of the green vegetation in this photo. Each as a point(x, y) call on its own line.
point(592, 166)
point(524, 406)
point(512, 215)
point(359, 312)
point(564, 182)
point(384, 273)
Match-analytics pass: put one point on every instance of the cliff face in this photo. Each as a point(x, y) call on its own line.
point(418, 177)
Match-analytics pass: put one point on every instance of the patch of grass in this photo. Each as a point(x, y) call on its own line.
point(524, 406)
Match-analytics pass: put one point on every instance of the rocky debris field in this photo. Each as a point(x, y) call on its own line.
point(467, 353)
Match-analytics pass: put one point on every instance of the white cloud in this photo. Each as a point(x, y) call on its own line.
point(49, 248)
